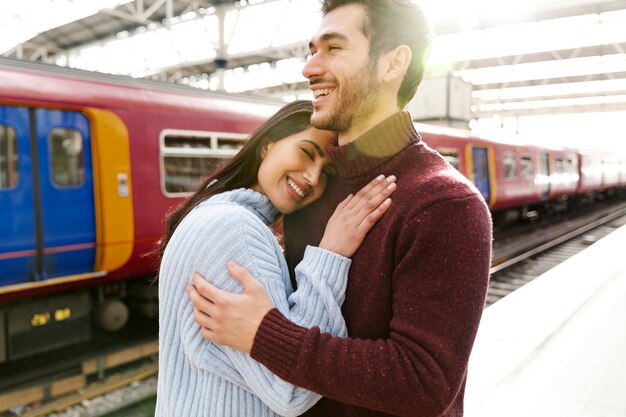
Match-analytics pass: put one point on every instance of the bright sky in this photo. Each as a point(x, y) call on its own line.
point(194, 38)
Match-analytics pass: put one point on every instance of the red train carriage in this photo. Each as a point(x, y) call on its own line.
point(89, 165)
point(520, 181)
point(591, 175)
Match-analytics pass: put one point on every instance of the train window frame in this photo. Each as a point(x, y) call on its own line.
point(8, 161)
point(214, 139)
point(530, 173)
point(451, 155)
point(511, 174)
point(55, 173)
point(559, 165)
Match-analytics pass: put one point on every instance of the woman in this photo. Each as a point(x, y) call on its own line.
point(282, 167)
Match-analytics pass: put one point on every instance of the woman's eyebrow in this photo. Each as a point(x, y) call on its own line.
point(319, 150)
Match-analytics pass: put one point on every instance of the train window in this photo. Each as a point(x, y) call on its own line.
point(66, 157)
point(450, 155)
point(509, 165)
point(526, 167)
point(187, 156)
point(559, 166)
point(8, 157)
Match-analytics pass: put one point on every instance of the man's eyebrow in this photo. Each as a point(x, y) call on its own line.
point(319, 150)
point(329, 36)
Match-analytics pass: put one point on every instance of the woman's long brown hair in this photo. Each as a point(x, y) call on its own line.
point(241, 171)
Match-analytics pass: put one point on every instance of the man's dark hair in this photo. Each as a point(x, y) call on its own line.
point(392, 23)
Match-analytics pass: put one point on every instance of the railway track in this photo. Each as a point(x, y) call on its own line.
point(522, 258)
point(43, 384)
point(104, 398)
point(97, 376)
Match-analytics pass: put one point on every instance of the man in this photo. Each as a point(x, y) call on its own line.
point(417, 285)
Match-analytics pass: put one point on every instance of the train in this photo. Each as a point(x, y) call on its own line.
point(526, 182)
point(90, 164)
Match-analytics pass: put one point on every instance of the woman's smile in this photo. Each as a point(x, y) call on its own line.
point(298, 189)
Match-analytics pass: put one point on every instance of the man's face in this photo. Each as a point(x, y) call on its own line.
point(343, 80)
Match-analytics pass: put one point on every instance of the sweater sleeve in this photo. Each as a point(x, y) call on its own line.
point(322, 277)
point(439, 282)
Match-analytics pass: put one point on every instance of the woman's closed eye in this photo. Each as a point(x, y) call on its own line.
point(310, 153)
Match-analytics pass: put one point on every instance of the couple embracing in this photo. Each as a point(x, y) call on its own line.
point(373, 307)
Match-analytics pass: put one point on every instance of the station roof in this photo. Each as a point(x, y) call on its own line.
point(597, 85)
point(108, 23)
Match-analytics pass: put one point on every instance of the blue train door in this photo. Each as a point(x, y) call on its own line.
point(47, 215)
point(480, 173)
point(66, 192)
point(17, 216)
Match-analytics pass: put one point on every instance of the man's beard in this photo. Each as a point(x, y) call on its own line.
point(355, 102)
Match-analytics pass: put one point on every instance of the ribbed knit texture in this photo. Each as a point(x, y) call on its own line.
point(416, 288)
point(199, 378)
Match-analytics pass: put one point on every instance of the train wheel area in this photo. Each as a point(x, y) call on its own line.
point(555, 346)
point(37, 377)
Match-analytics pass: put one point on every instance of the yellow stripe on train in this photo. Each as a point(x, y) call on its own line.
point(112, 189)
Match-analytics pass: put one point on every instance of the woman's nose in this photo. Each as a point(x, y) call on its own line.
point(312, 177)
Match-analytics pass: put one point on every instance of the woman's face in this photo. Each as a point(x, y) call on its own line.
point(294, 170)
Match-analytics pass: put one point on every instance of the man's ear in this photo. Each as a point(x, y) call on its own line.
point(397, 62)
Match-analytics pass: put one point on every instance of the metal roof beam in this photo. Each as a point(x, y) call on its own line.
point(551, 55)
point(138, 14)
point(572, 95)
point(556, 80)
point(548, 11)
point(553, 110)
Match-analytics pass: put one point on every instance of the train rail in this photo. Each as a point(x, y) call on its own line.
point(522, 258)
point(48, 389)
point(104, 398)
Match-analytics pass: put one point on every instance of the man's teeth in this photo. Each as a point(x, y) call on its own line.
point(323, 92)
point(295, 188)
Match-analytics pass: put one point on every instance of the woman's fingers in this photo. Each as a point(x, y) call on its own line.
point(356, 215)
point(371, 219)
point(362, 195)
point(368, 199)
point(345, 202)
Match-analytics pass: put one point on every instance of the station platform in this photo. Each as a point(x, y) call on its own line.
point(557, 346)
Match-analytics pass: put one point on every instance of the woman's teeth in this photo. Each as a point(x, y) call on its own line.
point(295, 188)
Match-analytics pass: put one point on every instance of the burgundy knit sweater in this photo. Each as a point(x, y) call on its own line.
point(416, 288)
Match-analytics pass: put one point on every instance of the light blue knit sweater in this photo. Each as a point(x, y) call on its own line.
point(199, 378)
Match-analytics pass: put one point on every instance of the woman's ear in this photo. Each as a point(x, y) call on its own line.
point(397, 63)
point(264, 147)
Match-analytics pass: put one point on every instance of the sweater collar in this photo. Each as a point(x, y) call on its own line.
point(256, 202)
point(375, 146)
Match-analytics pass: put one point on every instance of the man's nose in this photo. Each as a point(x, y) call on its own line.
point(314, 67)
